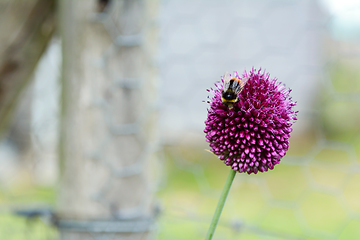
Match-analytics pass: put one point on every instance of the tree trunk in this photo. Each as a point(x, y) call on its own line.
point(107, 136)
point(26, 28)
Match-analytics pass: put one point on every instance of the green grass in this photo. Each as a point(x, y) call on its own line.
point(17, 228)
point(13, 227)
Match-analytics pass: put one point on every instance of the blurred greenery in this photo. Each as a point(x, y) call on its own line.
point(303, 201)
point(25, 196)
point(339, 107)
point(313, 200)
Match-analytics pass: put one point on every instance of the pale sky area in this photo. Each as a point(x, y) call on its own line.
point(346, 18)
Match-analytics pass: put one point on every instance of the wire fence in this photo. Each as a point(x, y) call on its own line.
point(312, 194)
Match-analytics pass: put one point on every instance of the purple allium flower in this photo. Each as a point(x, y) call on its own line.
point(254, 135)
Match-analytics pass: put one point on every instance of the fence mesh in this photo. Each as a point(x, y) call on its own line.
point(312, 194)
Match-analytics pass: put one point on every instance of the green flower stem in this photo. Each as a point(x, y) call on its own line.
point(220, 205)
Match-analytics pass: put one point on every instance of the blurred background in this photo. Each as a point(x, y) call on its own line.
point(102, 118)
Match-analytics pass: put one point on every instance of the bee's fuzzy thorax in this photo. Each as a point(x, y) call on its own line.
point(253, 133)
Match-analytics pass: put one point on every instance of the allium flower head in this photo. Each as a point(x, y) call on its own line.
point(254, 135)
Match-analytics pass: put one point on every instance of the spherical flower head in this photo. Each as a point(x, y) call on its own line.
point(253, 135)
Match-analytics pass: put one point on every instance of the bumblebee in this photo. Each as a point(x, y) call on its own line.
point(231, 89)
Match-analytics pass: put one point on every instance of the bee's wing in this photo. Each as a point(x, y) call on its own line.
point(240, 84)
point(244, 81)
point(226, 78)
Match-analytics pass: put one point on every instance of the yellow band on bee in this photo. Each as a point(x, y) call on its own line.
point(231, 101)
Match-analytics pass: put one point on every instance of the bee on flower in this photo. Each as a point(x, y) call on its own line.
point(231, 89)
point(249, 121)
